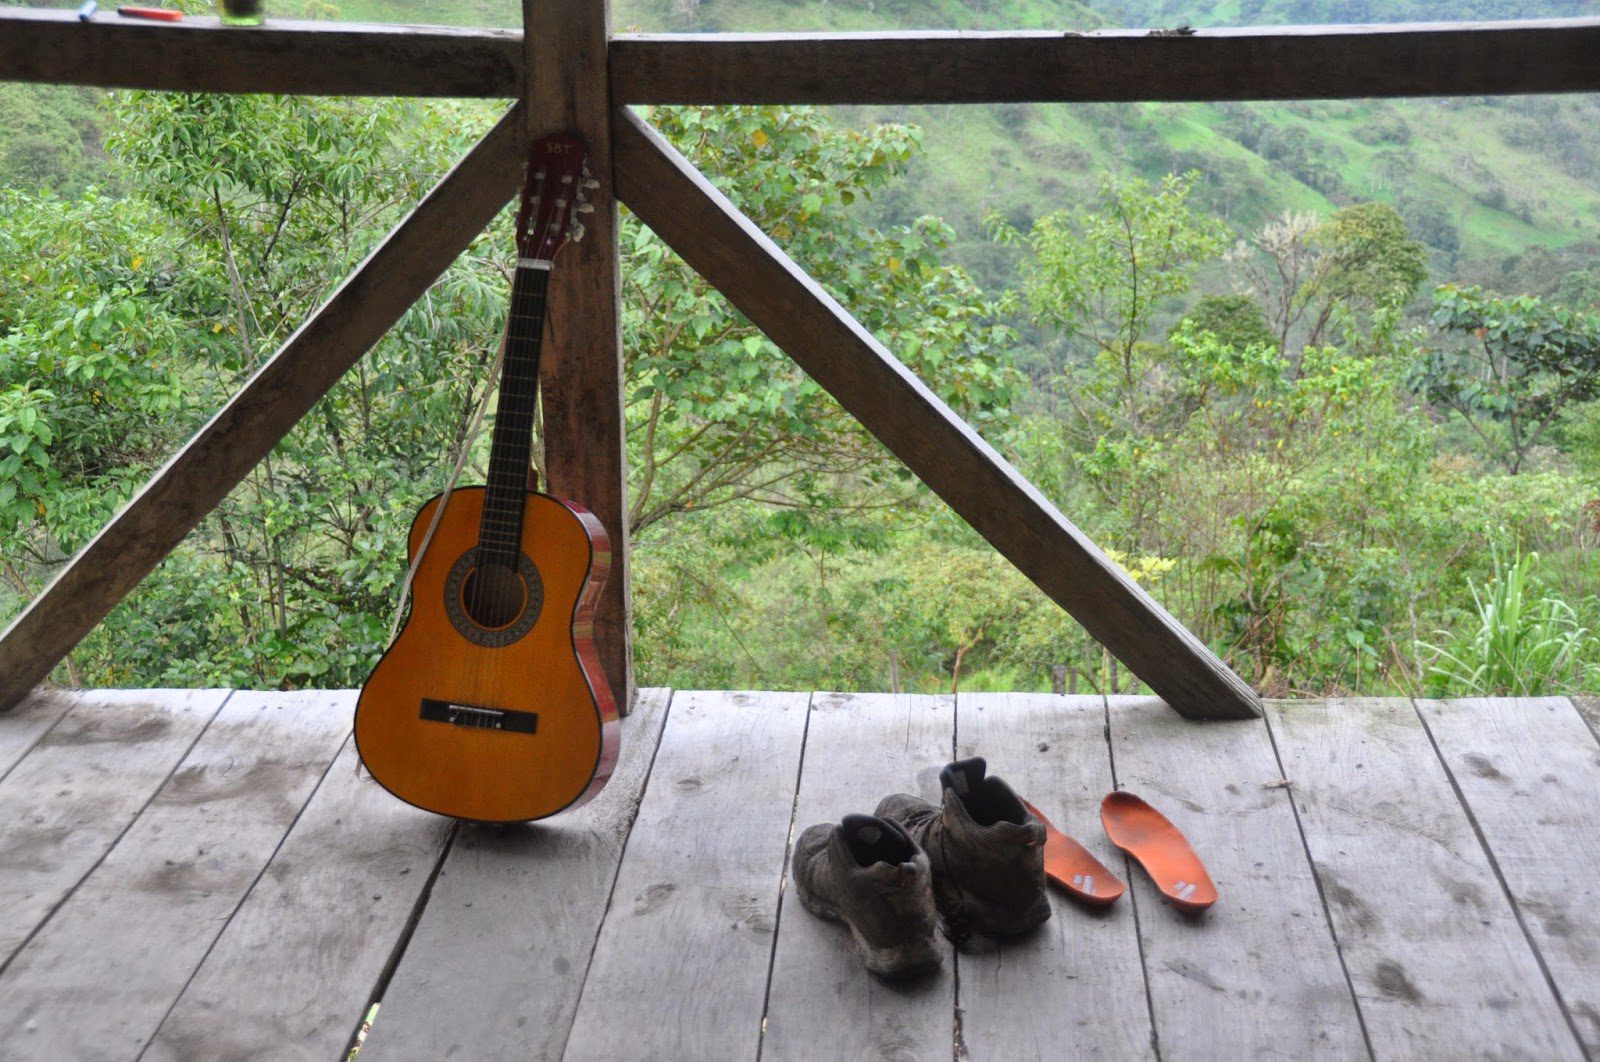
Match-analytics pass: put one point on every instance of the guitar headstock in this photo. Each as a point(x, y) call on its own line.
point(552, 199)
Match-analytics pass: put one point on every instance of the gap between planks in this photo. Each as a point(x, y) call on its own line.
point(1527, 771)
point(1438, 961)
point(337, 895)
point(80, 788)
point(179, 872)
point(1079, 979)
point(1258, 974)
point(821, 1000)
point(499, 955)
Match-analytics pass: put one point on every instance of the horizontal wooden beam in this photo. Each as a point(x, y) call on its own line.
point(271, 402)
point(1269, 62)
point(200, 54)
point(725, 247)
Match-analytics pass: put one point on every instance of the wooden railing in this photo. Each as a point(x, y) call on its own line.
point(1267, 63)
point(583, 77)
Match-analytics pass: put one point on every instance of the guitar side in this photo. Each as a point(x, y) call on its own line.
point(546, 736)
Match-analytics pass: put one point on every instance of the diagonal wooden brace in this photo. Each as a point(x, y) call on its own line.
point(263, 411)
point(725, 247)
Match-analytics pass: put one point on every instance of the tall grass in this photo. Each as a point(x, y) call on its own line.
point(1527, 642)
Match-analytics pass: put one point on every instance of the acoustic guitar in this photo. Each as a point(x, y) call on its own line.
point(491, 704)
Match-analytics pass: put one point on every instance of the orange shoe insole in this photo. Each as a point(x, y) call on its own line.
point(1155, 844)
point(1074, 868)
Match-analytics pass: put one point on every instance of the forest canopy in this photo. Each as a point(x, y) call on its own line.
point(1350, 456)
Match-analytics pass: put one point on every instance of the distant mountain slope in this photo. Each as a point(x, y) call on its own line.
point(1307, 12)
point(1478, 180)
point(1481, 181)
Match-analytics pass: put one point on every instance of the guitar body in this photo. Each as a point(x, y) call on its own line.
point(501, 723)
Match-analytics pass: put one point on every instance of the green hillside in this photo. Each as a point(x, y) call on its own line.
point(1480, 181)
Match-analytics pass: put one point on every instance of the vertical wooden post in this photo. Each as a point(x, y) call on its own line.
point(568, 90)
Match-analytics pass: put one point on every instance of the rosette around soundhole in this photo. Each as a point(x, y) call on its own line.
point(492, 637)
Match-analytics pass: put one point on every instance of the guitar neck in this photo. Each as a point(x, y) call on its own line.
point(500, 533)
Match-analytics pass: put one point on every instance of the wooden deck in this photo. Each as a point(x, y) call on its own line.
point(205, 875)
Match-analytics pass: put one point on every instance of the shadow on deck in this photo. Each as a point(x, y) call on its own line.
point(204, 875)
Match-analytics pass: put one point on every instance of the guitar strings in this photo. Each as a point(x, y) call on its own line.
point(498, 576)
point(468, 442)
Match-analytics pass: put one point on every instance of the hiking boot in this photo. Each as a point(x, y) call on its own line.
point(986, 849)
point(871, 876)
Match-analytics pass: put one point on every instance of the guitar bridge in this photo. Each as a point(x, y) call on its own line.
point(478, 717)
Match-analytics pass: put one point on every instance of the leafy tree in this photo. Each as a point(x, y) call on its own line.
point(90, 384)
point(1279, 490)
point(248, 209)
point(1100, 276)
point(1359, 267)
point(1519, 365)
point(261, 205)
point(1579, 289)
point(1236, 320)
point(1372, 263)
point(716, 412)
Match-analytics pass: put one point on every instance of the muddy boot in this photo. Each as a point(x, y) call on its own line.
point(986, 849)
point(871, 876)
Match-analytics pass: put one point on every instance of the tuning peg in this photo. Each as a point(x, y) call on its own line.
point(586, 208)
point(590, 183)
point(577, 232)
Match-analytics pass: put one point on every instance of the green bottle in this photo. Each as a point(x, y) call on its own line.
point(241, 12)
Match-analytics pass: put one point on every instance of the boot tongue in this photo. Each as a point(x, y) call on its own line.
point(964, 776)
point(874, 840)
point(987, 801)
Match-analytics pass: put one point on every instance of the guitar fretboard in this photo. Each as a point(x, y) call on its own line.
point(500, 533)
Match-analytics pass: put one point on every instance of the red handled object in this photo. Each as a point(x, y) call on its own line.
point(1074, 868)
point(155, 14)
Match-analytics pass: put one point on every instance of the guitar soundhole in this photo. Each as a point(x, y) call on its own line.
point(493, 596)
point(493, 605)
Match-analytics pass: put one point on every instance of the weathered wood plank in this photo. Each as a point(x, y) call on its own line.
point(680, 968)
point(496, 964)
point(710, 233)
point(1078, 981)
point(21, 730)
point(581, 381)
point(98, 979)
point(1258, 63)
point(1440, 966)
point(1589, 708)
point(328, 912)
point(199, 54)
point(1257, 975)
point(823, 1002)
point(244, 431)
point(70, 799)
point(1529, 769)
point(1267, 62)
